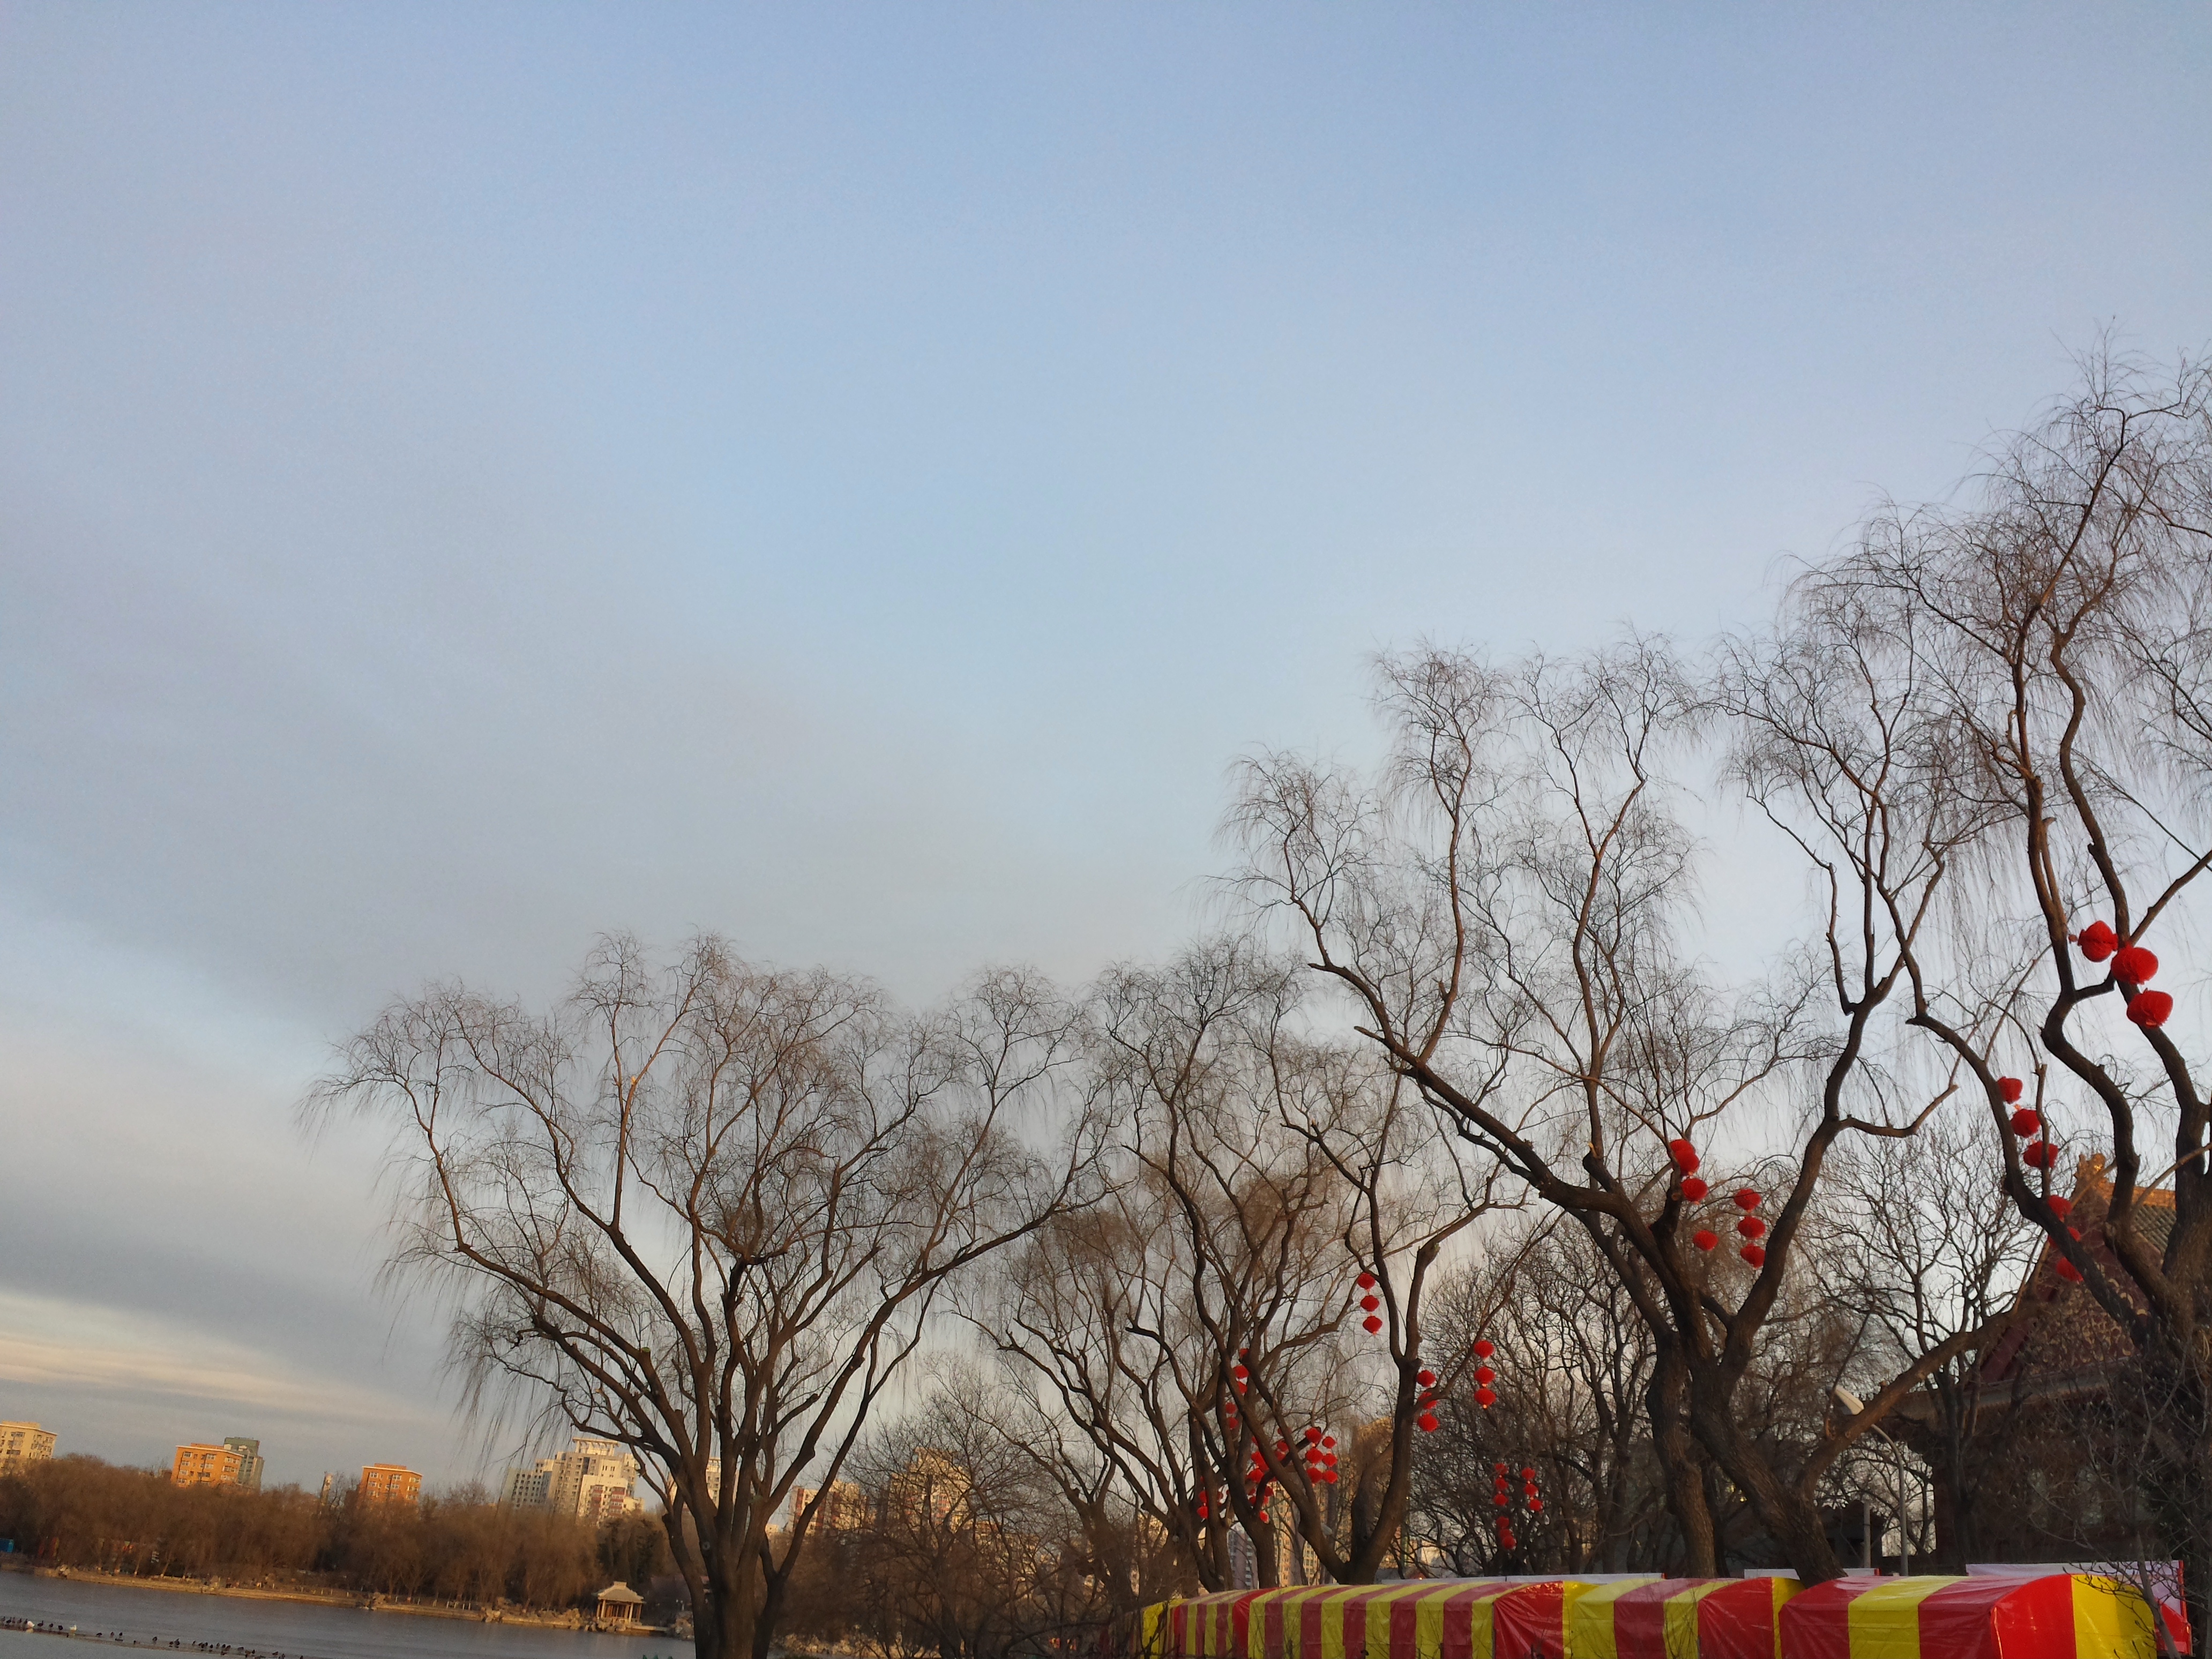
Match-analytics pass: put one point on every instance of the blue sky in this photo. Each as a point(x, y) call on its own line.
point(853, 477)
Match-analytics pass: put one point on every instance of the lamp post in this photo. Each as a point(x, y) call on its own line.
point(1853, 1405)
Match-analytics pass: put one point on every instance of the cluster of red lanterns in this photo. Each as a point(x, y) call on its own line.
point(1485, 1396)
point(2134, 966)
point(1320, 1456)
point(1368, 1303)
point(2041, 1154)
point(1427, 1379)
point(1531, 1493)
point(1749, 1226)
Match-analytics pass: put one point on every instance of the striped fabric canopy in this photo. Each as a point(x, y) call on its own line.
point(1677, 1619)
point(1427, 1618)
point(2063, 1616)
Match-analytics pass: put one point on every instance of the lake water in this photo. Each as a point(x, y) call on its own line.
point(298, 1629)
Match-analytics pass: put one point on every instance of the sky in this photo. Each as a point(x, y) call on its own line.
point(854, 478)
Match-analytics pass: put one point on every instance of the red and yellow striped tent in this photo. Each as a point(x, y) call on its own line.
point(2063, 1616)
point(1677, 1619)
point(1426, 1618)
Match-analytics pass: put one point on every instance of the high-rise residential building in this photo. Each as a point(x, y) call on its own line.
point(24, 1443)
point(844, 1507)
point(236, 1463)
point(389, 1483)
point(249, 1460)
point(594, 1480)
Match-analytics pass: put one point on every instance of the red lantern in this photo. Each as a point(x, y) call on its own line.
point(1313, 1436)
point(1330, 1477)
point(1483, 1374)
point(2069, 1272)
point(2025, 1122)
point(2011, 1087)
point(1428, 1423)
point(2061, 1205)
point(2038, 1155)
point(1704, 1239)
point(1753, 1254)
point(1424, 1378)
point(1684, 1154)
point(1499, 1467)
point(2135, 965)
point(1485, 1398)
point(2097, 941)
point(1327, 1441)
point(1366, 1281)
point(1238, 1371)
point(1329, 1458)
point(1370, 1302)
point(1483, 1350)
point(1503, 1501)
point(1370, 1324)
point(2148, 1009)
point(1746, 1199)
point(1535, 1506)
point(1528, 1473)
point(1751, 1226)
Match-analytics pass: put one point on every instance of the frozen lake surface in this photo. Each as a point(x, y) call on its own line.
point(298, 1629)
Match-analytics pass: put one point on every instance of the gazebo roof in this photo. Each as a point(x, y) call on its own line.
point(619, 1591)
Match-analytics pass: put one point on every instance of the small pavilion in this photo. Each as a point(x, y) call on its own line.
point(619, 1605)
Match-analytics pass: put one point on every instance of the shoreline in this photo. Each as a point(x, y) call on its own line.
point(331, 1598)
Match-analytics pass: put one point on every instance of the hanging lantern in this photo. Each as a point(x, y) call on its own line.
point(2025, 1122)
point(1238, 1371)
point(1751, 1226)
point(2135, 965)
point(1483, 1374)
point(2069, 1272)
point(1428, 1421)
point(2061, 1205)
point(1366, 1281)
point(2097, 941)
point(2148, 1009)
point(1694, 1189)
point(1370, 1324)
point(1684, 1154)
point(1704, 1239)
point(1483, 1349)
point(1528, 1490)
point(1485, 1398)
point(2011, 1087)
point(1535, 1506)
point(1370, 1302)
point(1329, 1459)
point(1753, 1254)
point(2038, 1155)
point(1424, 1377)
point(1503, 1501)
point(1327, 1441)
point(1313, 1436)
point(1746, 1199)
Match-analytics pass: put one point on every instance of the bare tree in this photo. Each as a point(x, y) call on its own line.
point(1506, 913)
point(1194, 1328)
point(705, 1209)
point(2062, 620)
point(1917, 1244)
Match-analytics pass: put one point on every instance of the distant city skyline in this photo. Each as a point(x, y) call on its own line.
point(854, 480)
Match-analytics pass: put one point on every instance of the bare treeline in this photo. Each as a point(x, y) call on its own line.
point(82, 1513)
point(1458, 1180)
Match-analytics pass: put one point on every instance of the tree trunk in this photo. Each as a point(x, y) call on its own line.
point(1681, 1461)
point(1789, 1515)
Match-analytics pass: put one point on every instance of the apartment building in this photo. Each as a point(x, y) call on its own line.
point(235, 1463)
point(389, 1483)
point(594, 1480)
point(24, 1443)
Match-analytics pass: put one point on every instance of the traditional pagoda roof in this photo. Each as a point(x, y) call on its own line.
point(2071, 1336)
point(623, 1593)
